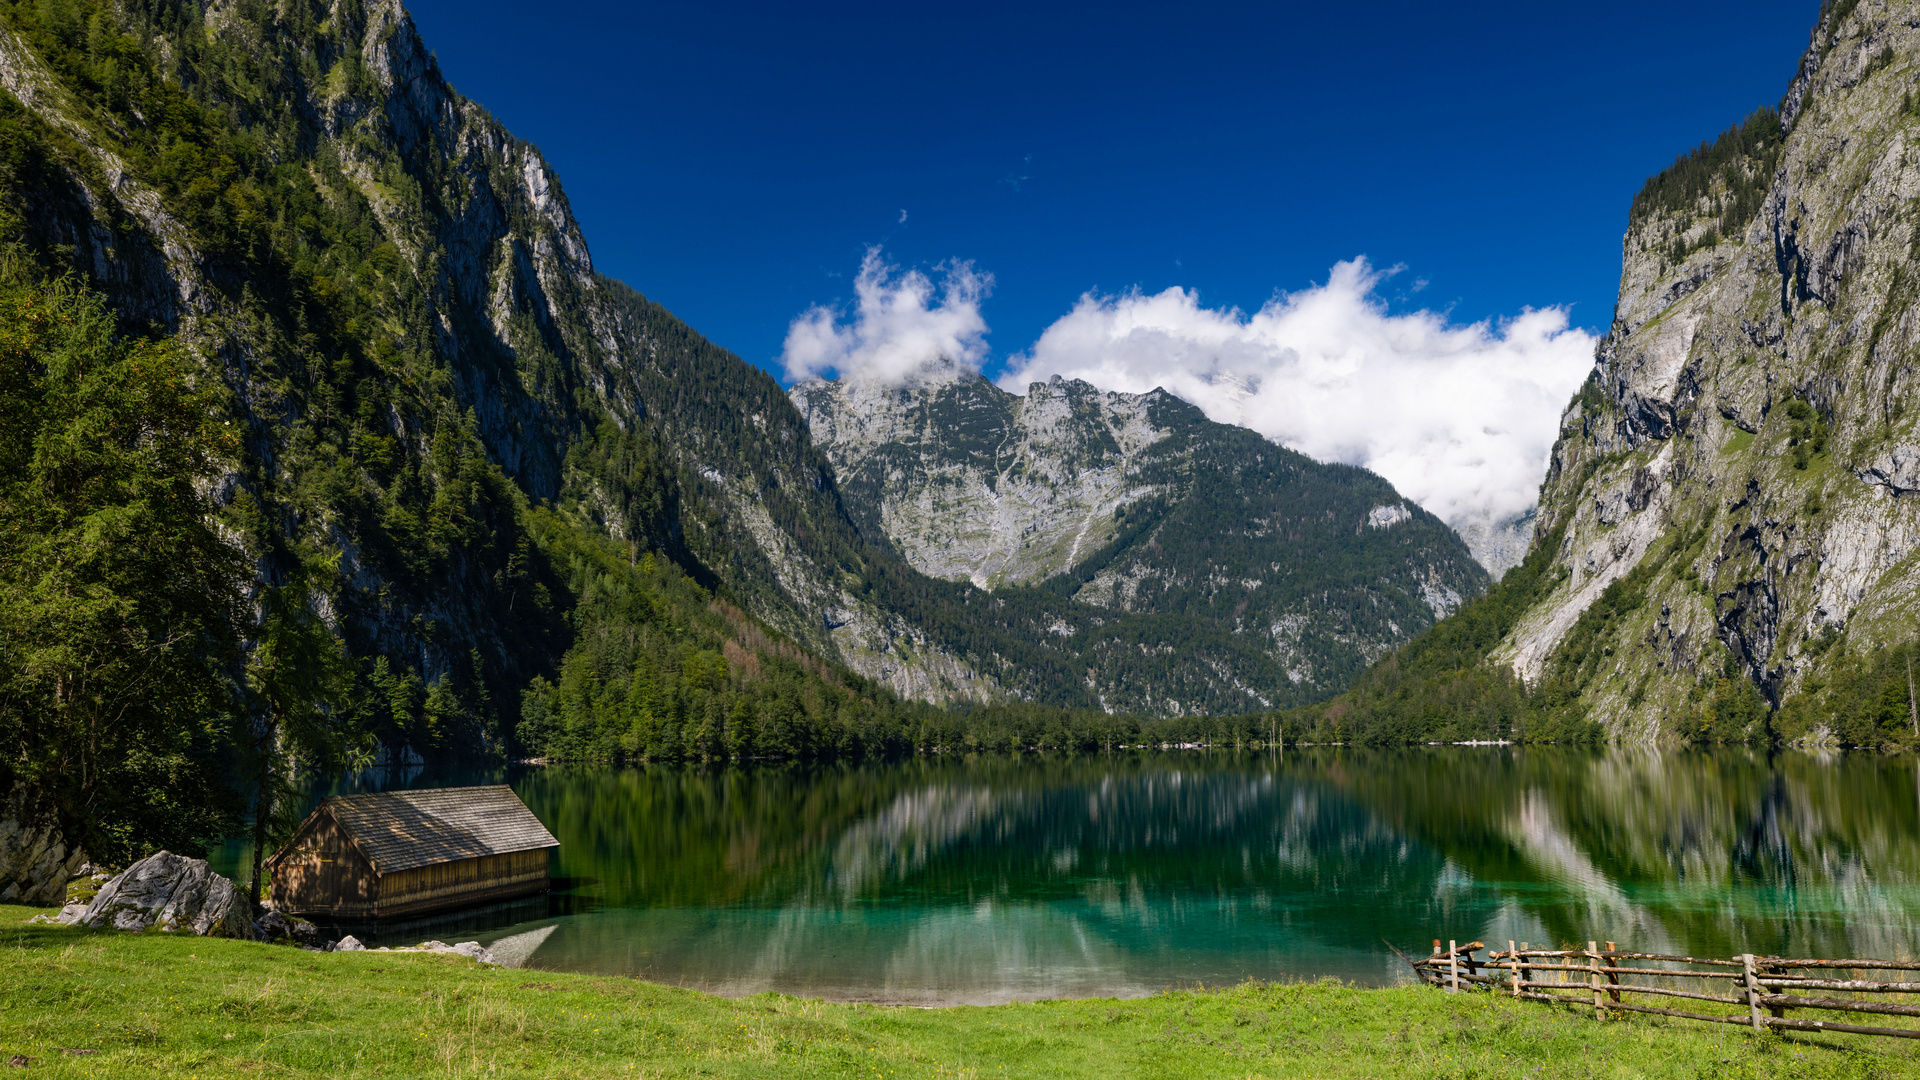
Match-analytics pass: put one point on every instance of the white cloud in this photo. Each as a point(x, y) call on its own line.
point(901, 326)
point(1460, 419)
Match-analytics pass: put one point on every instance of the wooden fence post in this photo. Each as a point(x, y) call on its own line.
point(1770, 983)
point(1593, 965)
point(1776, 969)
point(1752, 984)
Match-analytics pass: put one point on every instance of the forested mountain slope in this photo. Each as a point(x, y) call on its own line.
point(470, 440)
point(1727, 537)
point(426, 426)
point(1136, 504)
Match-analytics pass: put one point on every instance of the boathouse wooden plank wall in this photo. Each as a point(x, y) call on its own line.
point(406, 853)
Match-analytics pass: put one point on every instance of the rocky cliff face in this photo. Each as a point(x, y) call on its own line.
point(974, 483)
point(432, 313)
point(1740, 469)
point(432, 307)
point(35, 860)
point(432, 377)
point(1499, 545)
point(1137, 505)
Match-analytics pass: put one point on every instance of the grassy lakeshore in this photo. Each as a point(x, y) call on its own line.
point(164, 1006)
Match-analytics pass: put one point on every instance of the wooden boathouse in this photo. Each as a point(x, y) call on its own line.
point(408, 852)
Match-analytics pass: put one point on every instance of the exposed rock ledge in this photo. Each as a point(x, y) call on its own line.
point(35, 861)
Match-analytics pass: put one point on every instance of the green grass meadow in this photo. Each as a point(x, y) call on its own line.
point(158, 1005)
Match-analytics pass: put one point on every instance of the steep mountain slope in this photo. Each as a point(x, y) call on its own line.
point(1727, 538)
point(1136, 503)
point(1739, 463)
point(446, 408)
point(419, 348)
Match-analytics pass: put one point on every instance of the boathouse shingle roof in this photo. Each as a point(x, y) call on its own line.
point(400, 830)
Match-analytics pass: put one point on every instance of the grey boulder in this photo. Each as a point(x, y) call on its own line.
point(282, 929)
point(174, 893)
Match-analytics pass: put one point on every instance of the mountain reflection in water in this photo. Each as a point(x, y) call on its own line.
point(996, 878)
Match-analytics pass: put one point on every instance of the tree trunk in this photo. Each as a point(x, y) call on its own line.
point(262, 807)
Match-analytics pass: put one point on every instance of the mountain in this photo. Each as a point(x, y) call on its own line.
point(1136, 504)
point(1499, 545)
point(541, 512)
point(1726, 540)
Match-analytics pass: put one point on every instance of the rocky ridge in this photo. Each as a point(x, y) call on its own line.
point(485, 316)
point(971, 482)
point(1740, 468)
point(423, 358)
point(1137, 505)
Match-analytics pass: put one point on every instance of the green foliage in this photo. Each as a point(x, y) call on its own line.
point(1832, 14)
point(1583, 654)
point(119, 601)
point(1806, 432)
point(296, 678)
point(663, 670)
point(1438, 686)
point(1880, 62)
point(355, 438)
point(1855, 700)
point(1729, 175)
point(1727, 711)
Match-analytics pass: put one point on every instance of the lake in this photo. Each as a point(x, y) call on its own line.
point(999, 878)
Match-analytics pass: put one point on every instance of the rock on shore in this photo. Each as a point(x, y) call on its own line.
point(172, 892)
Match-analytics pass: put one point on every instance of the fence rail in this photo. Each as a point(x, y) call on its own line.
point(1760, 987)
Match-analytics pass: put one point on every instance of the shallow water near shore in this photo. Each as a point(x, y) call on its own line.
point(989, 879)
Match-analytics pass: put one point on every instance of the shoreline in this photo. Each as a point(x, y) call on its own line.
point(77, 1003)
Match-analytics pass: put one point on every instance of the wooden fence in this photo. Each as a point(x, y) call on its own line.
point(1761, 988)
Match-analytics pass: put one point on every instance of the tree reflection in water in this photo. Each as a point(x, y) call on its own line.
point(995, 878)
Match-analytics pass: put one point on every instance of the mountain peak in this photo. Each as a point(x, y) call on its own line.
point(1139, 507)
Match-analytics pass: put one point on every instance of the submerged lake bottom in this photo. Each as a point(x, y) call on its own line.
point(992, 879)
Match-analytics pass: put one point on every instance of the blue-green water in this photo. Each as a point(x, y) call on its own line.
point(1000, 878)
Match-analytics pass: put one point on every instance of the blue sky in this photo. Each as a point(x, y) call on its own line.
point(734, 161)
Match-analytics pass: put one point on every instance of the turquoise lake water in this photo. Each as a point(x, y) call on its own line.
point(1007, 878)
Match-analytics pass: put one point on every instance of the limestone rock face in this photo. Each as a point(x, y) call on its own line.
point(970, 481)
point(35, 861)
point(482, 268)
point(174, 893)
point(1749, 442)
point(1138, 506)
point(478, 273)
point(1499, 546)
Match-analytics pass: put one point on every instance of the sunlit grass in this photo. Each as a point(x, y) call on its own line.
point(165, 1006)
